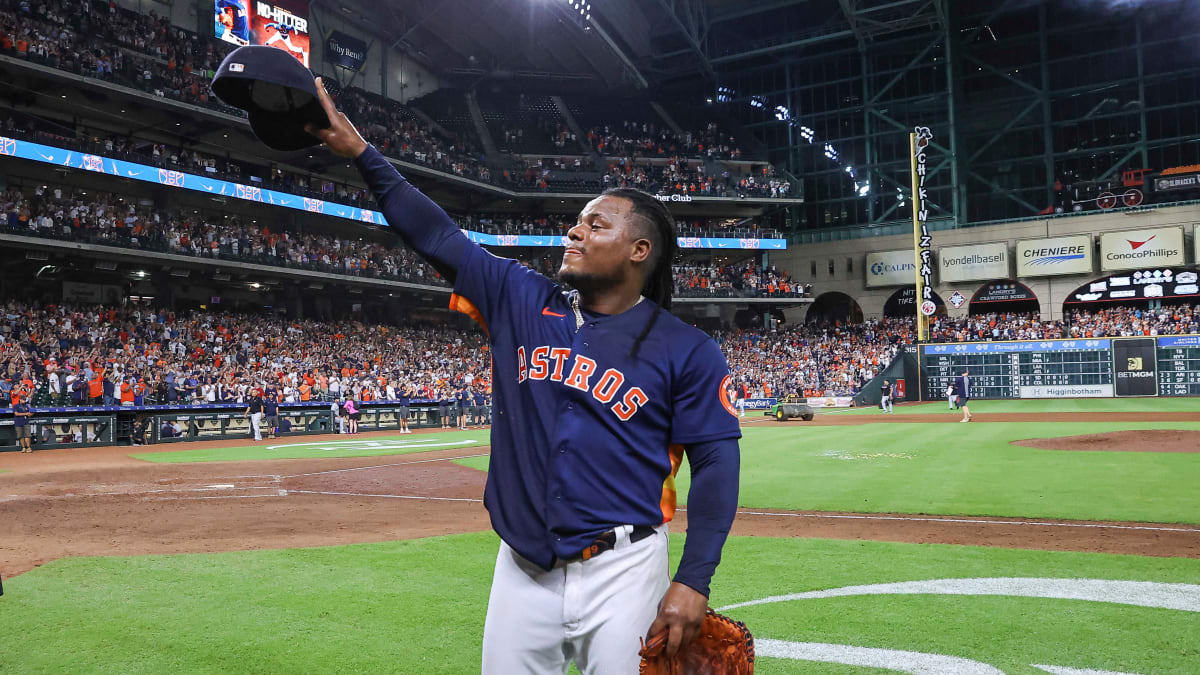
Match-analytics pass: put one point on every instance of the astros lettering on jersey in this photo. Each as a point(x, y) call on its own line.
point(583, 435)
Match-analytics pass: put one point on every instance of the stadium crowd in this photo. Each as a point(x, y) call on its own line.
point(110, 219)
point(815, 359)
point(646, 139)
point(97, 355)
point(146, 52)
point(1117, 321)
point(93, 355)
point(737, 279)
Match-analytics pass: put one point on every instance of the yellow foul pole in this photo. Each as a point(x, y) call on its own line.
point(917, 204)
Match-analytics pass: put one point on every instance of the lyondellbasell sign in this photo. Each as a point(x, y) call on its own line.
point(1141, 249)
point(976, 262)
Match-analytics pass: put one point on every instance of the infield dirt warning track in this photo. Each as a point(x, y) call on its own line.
point(99, 501)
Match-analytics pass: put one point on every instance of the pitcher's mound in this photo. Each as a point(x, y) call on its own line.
point(1147, 440)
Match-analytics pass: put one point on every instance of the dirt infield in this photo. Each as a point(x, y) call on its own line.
point(1150, 440)
point(99, 501)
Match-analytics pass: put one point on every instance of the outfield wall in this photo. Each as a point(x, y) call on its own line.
point(848, 258)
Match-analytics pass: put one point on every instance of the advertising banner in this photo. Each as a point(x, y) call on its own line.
point(1139, 249)
point(890, 268)
point(1158, 284)
point(1003, 291)
point(1054, 256)
point(345, 51)
point(1136, 367)
point(974, 262)
point(1187, 181)
point(830, 401)
point(1067, 391)
point(904, 302)
point(282, 24)
point(759, 403)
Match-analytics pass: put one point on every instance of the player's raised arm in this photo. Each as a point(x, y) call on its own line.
point(415, 218)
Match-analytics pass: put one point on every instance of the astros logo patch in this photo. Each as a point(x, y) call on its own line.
point(723, 392)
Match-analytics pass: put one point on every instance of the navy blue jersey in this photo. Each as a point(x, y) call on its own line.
point(479, 399)
point(270, 405)
point(585, 438)
point(21, 420)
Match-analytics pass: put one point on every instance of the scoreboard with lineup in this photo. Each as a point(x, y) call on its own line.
point(1101, 367)
point(1178, 365)
point(1034, 369)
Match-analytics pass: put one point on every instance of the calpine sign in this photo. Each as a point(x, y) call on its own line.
point(1139, 249)
point(890, 268)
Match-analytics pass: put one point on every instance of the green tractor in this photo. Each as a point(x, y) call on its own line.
point(790, 407)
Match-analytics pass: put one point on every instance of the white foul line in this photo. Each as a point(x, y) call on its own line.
point(380, 466)
point(967, 520)
point(361, 494)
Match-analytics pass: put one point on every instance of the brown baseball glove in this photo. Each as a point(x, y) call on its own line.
point(723, 647)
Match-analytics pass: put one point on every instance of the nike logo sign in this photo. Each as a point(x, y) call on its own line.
point(1138, 244)
point(546, 312)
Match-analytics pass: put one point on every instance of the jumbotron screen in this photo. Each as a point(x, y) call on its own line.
point(282, 24)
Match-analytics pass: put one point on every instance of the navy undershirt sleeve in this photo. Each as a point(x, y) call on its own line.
point(711, 506)
point(415, 218)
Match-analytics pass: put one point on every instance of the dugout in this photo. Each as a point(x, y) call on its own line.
point(1005, 295)
point(58, 430)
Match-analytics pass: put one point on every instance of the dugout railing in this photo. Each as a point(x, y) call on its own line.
point(89, 426)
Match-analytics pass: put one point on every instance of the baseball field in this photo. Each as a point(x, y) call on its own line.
point(1044, 536)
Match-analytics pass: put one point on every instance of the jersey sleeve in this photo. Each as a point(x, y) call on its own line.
point(700, 401)
point(486, 285)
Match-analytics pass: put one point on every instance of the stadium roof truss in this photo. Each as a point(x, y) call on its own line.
point(1017, 93)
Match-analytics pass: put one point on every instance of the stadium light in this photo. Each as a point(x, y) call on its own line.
point(758, 102)
point(782, 113)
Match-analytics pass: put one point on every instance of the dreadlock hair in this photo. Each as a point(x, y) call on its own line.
point(657, 224)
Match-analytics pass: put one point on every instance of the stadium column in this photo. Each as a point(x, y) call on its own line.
point(766, 318)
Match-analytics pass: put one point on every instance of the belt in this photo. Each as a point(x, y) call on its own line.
point(608, 540)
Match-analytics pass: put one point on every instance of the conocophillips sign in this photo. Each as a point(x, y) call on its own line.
point(1139, 249)
point(977, 261)
point(890, 268)
point(1054, 256)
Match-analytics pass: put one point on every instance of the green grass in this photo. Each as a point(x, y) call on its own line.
point(963, 469)
point(297, 447)
point(1070, 405)
point(418, 607)
point(952, 469)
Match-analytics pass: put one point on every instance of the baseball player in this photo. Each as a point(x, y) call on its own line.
point(599, 392)
point(232, 22)
point(254, 412)
point(282, 33)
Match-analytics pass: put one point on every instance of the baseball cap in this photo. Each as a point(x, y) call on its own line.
point(277, 92)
